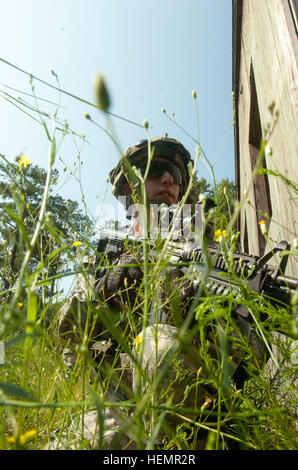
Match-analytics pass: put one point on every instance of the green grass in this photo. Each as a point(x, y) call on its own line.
point(43, 399)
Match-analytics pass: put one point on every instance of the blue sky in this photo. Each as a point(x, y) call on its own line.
point(151, 54)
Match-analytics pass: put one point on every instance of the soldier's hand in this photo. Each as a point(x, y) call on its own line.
point(121, 283)
point(177, 293)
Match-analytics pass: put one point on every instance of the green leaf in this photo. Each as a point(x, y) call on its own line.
point(31, 310)
point(19, 222)
point(287, 182)
point(16, 391)
point(18, 339)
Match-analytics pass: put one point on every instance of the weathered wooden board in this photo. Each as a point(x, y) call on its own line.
point(268, 50)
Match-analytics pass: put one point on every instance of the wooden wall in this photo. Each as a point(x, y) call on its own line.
point(265, 72)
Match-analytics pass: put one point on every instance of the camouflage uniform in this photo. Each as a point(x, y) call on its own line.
point(162, 353)
point(170, 362)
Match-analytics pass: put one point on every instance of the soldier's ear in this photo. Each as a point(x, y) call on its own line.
point(126, 190)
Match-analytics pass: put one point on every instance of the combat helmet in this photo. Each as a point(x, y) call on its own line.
point(165, 147)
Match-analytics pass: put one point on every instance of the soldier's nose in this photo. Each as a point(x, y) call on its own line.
point(167, 178)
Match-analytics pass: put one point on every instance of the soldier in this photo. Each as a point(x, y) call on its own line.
point(159, 356)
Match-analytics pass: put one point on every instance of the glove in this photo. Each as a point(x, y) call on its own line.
point(120, 285)
point(177, 293)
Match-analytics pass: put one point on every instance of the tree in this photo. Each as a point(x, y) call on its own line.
point(223, 193)
point(21, 193)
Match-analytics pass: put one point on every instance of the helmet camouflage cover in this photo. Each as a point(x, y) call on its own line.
point(165, 147)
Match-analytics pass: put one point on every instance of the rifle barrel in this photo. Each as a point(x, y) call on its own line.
point(287, 281)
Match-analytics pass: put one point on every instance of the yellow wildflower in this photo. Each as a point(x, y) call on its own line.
point(263, 227)
point(24, 162)
point(22, 439)
point(26, 436)
point(77, 243)
point(138, 340)
point(20, 304)
point(219, 235)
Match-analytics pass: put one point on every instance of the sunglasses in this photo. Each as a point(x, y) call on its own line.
point(157, 169)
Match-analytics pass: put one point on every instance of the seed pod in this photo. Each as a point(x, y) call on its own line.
point(102, 94)
point(268, 151)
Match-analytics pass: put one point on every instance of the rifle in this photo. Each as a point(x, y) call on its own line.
point(213, 273)
point(259, 276)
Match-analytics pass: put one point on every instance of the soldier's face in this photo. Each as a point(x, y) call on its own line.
point(162, 188)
